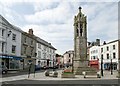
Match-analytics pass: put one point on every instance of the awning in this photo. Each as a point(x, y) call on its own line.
point(94, 62)
point(11, 57)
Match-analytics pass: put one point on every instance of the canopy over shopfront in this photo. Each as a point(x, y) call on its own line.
point(11, 57)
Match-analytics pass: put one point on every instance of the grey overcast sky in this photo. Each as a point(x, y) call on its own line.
point(53, 20)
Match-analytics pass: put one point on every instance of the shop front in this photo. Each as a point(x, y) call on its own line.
point(94, 64)
point(11, 62)
point(107, 66)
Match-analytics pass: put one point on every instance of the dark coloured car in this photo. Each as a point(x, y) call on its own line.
point(3, 69)
point(37, 67)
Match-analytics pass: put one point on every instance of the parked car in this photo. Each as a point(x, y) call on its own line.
point(3, 69)
point(37, 67)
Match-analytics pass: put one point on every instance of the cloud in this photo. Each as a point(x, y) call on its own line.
point(58, 15)
point(53, 21)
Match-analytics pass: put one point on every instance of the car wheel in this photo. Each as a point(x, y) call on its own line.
point(3, 72)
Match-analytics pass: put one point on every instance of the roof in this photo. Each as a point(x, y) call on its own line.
point(6, 23)
point(70, 51)
point(44, 42)
point(38, 39)
point(110, 42)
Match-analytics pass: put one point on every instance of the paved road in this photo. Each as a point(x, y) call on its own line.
point(41, 79)
point(16, 73)
point(108, 82)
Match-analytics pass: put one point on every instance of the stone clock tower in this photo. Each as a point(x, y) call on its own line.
point(80, 60)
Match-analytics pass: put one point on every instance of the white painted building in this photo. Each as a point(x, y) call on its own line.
point(108, 51)
point(94, 53)
point(68, 57)
point(45, 53)
point(10, 44)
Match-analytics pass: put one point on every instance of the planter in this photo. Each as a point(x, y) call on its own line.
point(46, 73)
point(67, 75)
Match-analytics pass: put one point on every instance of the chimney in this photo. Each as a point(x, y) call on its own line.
point(98, 42)
point(89, 43)
point(104, 42)
point(30, 31)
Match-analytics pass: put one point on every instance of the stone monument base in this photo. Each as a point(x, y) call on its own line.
point(79, 70)
point(80, 66)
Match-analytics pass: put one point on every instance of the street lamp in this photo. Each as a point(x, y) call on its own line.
point(72, 63)
point(111, 67)
point(119, 67)
point(102, 65)
point(53, 63)
point(30, 64)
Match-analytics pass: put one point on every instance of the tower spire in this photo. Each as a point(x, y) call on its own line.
point(80, 9)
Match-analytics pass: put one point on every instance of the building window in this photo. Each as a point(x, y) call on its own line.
point(3, 32)
point(14, 37)
point(69, 55)
point(45, 48)
point(96, 51)
point(39, 54)
point(107, 56)
point(50, 50)
point(101, 50)
point(31, 42)
point(69, 60)
point(31, 51)
point(39, 46)
point(113, 47)
point(107, 48)
point(13, 48)
point(91, 52)
point(93, 57)
point(25, 39)
point(2, 47)
point(114, 55)
point(25, 48)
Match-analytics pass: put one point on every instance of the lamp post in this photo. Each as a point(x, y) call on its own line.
point(30, 64)
point(53, 63)
point(72, 63)
point(119, 68)
point(111, 67)
point(102, 65)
